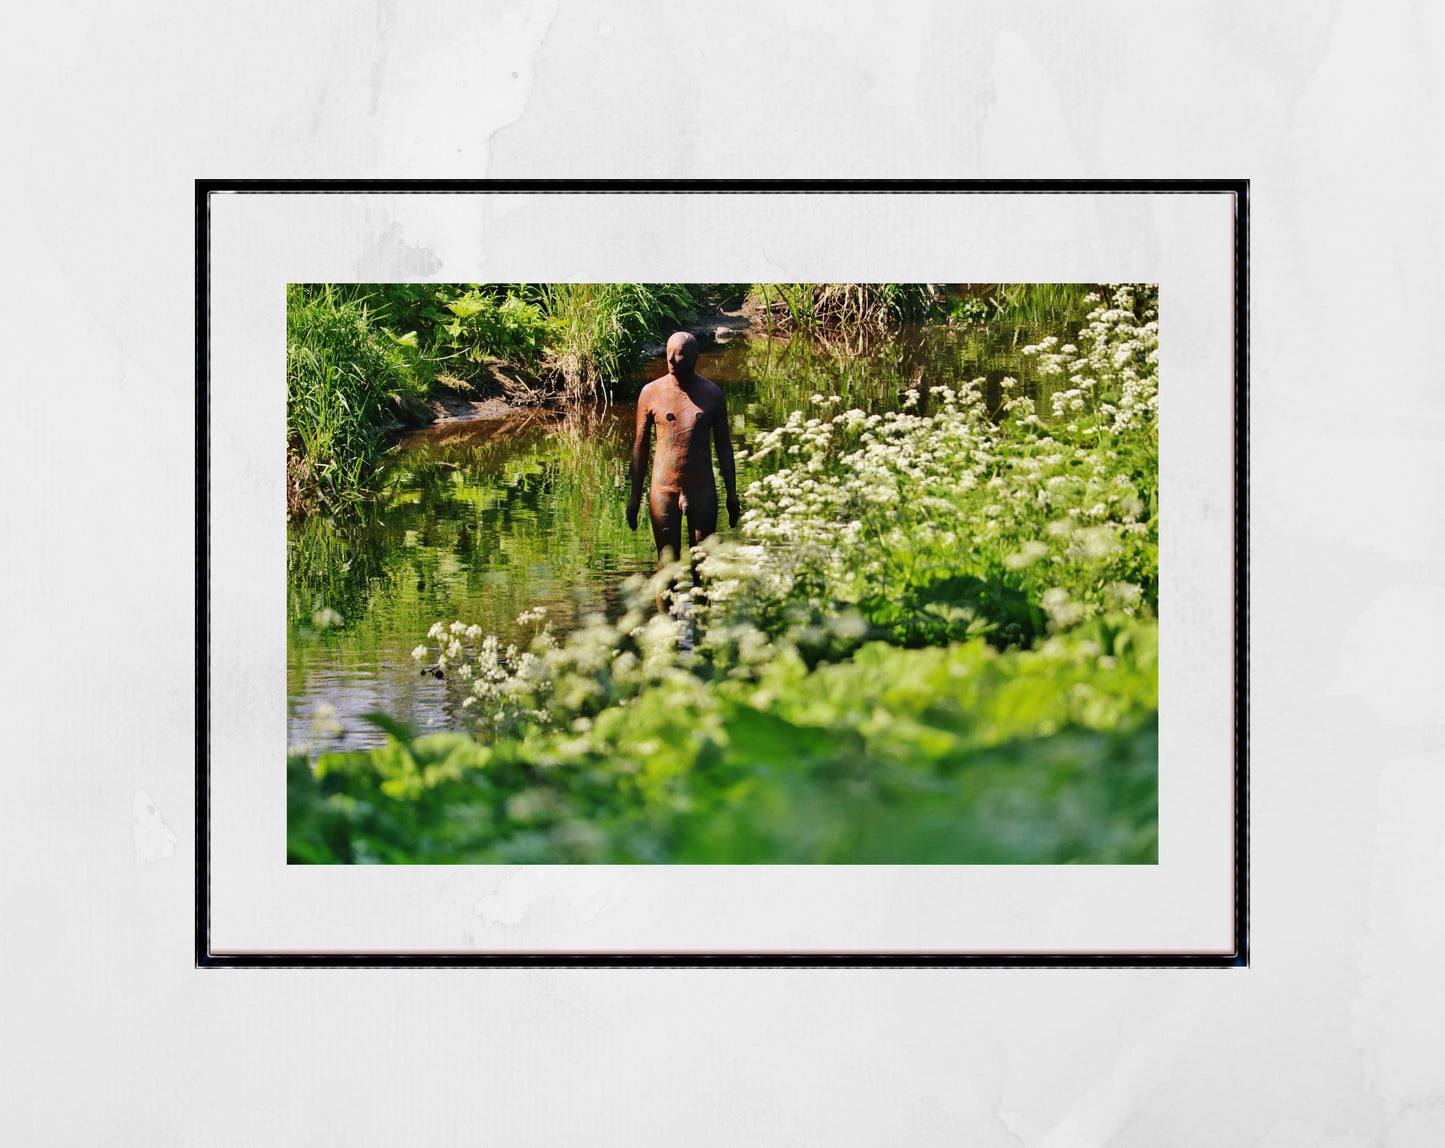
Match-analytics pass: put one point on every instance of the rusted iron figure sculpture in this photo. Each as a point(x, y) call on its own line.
point(690, 416)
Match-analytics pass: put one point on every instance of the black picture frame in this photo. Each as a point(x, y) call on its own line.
point(1238, 958)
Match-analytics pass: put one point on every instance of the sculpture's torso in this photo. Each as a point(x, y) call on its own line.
point(683, 418)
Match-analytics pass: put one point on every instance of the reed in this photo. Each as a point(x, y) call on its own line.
point(343, 376)
point(600, 329)
point(823, 307)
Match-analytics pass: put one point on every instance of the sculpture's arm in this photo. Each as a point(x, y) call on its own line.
point(723, 440)
point(641, 444)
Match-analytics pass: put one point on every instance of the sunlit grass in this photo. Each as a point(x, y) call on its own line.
point(601, 327)
point(343, 376)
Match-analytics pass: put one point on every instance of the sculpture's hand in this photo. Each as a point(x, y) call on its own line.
point(734, 511)
point(633, 504)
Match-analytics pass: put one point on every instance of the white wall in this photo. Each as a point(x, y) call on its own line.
point(1334, 1037)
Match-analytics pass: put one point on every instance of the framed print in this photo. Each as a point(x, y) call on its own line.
point(734, 573)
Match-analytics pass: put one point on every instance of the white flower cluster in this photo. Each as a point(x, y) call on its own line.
point(921, 497)
point(549, 685)
point(1113, 371)
point(1062, 610)
point(325, 618)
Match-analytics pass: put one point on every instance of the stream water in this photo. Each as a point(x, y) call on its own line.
point(483, 520)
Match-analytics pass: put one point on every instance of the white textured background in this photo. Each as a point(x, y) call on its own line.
point(1335, 1037)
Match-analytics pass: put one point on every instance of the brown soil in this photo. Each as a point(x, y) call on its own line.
point(476, 429)
point(299, 495)
point(452, 407)
point(498, 391)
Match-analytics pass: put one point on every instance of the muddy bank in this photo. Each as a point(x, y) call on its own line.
point(497, 391)
point(452, 407)
point(716, 328)
point(450, 433)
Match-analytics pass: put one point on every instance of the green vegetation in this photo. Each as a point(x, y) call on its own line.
point(948, 524)
point(344, 376)
point(953, 755)
point(937, 643)
point(485, 328)
point(602, 328)
point(1049, 306)
point(822, 307)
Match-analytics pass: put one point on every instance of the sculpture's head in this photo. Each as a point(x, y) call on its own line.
point(681, 353)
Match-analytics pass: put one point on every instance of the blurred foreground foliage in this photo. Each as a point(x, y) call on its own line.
point(956, 755)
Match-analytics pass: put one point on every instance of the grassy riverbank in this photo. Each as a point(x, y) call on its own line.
point(936, 642)
point(361, 358)
point(346, 377)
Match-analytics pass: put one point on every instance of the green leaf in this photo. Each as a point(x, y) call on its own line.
point(388, 724)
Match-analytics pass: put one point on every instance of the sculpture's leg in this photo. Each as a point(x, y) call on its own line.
point(701, 523)
point(666, 534)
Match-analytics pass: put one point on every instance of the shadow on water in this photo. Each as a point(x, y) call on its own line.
point(481, 521)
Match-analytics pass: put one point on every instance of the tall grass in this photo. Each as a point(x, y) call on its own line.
point(843, 306)
point(343, 376)
point(600, 329)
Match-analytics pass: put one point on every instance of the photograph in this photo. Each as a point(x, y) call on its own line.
point(821, 573)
